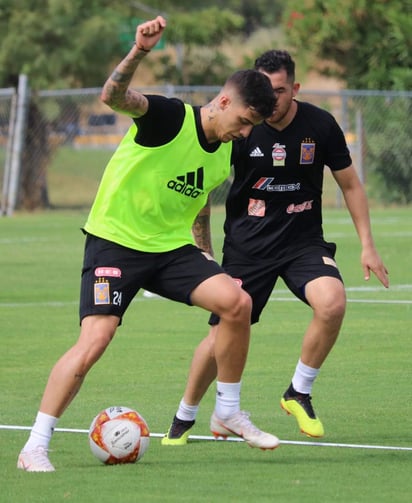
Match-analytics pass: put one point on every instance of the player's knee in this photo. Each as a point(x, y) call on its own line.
point(238, 307)
point(95, 336)
point(333, 308)
point(327, 298)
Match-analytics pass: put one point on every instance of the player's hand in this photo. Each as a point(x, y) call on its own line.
point(371, 261)
point(149, 33)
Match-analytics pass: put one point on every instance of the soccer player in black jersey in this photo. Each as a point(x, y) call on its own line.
point(273, 229)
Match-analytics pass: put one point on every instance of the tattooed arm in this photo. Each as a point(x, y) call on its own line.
point(201, 229)
point(116, 93)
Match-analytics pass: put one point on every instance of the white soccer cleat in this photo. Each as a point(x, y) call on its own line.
point(35, 461)
point(240, 425)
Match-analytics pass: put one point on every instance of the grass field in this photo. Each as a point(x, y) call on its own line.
point(363, 394)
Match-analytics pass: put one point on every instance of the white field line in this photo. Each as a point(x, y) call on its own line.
point(336, 234)
point(344, 235)
point(356, 289)
point(361, 301)
point(236, 439)
point(271, 299)
point(274, 297)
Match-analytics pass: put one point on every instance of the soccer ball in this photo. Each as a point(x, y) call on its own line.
point(118, 435)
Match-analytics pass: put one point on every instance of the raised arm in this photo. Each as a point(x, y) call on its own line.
point(116, 93)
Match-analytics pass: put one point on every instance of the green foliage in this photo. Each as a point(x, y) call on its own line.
point(71, 44)
point(388, 148)
point(57, 44)
point(201, 67)
point(200, 62)
point(366, 44)
point(259, 13)
point(215, 26)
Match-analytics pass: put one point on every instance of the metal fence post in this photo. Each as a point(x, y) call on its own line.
point(19, 132)
point(359, 145)
point(9, 147)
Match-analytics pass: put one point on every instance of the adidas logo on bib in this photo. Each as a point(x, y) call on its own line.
point(190, 184)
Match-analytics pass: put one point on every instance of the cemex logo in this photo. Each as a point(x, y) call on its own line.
point(190, 184)
point(265, 183)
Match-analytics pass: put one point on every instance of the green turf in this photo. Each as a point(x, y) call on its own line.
point(363, 394)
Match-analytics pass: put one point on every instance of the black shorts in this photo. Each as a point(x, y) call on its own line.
point(259, 278)
point(113, 274)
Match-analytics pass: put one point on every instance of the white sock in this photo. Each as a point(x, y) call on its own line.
point(187, 412)
point(304, 377)
point(227, 399)
point(41, 432)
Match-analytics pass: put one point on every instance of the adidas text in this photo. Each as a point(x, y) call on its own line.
point(184, 188)
point(190, 184)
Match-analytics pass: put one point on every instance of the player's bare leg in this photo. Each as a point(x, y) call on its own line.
point(202, 373)
point(70, 370)
point(62, 386)
point(203, 369)
point(326, 295)
point(233, 305)
point(230, 350)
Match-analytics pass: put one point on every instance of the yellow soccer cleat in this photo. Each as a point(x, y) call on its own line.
point(300, 406)
point(178, 432)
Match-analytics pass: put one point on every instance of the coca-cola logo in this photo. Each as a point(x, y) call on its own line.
point(298, 208)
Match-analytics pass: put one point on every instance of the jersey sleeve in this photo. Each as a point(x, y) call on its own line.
point(238, 154)
point(162, 121)
point(337, 152)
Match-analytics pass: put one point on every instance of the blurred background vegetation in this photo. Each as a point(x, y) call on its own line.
point(361, 44)
point(367, 44)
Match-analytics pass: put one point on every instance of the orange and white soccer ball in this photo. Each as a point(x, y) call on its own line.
point(119, 435)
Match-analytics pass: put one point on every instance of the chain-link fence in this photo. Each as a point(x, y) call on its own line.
point(71, 135)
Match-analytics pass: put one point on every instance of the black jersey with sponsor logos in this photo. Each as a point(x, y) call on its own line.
point(274, 208)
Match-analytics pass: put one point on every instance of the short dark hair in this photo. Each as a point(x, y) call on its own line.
point(255, 90)
point(274, 60)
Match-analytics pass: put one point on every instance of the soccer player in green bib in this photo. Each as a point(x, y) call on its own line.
point(138, 235)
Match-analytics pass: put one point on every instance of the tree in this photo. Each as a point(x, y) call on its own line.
point(200, 62)
point(57, 45)
point(388, 148)
point(198, 58)
point(256, 14)
point(367, 44)
point(71, 44)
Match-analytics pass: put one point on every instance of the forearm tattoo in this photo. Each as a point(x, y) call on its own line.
point(201, 233)
point(121, 77)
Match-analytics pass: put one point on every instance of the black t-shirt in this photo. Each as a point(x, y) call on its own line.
point(163, 120)
point(274, 208)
